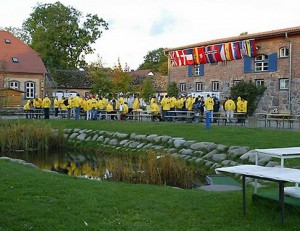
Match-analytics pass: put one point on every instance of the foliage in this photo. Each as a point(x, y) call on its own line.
point(121, 79)
point(173, 89)
point(248, 91)
point(147, 89)
point(156, 61)
point(102, 78)
point(59, 36)
point(19, 33)
point(29, 136)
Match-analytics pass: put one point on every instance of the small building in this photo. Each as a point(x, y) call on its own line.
point(21, 69)
point(10, 97)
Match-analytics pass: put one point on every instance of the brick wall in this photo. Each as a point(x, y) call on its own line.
point(227, 73)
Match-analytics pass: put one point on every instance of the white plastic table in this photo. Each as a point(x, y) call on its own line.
point(280, 175)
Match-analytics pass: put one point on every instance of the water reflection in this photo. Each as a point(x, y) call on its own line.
point(148, 168)
point(64, 162)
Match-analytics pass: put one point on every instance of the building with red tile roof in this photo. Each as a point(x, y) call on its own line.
point(21, 68)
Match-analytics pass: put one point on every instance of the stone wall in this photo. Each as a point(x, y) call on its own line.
point(205, 153)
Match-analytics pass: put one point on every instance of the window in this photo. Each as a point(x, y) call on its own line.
point(215, 86)
point(182, 87)
point(199, 86)
point(7, 41)
point(29, 90)
point(261, 63)
point(284, 84)
point(14, 85)
point(197, 70)
point(235, 82)
point(15, 59)
point(284, 52)
point(259, 82)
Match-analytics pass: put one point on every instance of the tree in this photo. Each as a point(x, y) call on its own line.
point(102, 78)
point(156, 61)
point(147, 89)
point(248, 91)
point(173, 89)
point(122, 79)
point(59, 36)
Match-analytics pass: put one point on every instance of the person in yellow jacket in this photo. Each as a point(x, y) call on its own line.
point(179, 103)
point(56, 106)
point(37, 103)
point(209, 106)
point(123, 110)
point(46, 104)
point(63, 106)
point(94, 108)
point(110, 110)
point(77, 105)
point(28, 109)
point(155, 112)
point(189, 103)
point(229, 107)
point(165, 104)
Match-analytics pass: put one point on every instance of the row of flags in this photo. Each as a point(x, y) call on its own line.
point(213, 53)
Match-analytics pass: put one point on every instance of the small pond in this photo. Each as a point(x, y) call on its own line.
point(149, 169)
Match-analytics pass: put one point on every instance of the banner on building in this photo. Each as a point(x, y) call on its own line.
point(213, 53)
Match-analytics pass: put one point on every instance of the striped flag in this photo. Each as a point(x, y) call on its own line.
point(199, 55)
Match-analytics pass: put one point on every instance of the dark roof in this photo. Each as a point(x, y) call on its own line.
point(73, 79)
point(144, 73)
point(26, 59)
point(257, 36)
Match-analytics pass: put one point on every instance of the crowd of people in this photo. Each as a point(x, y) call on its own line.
point(121, 108)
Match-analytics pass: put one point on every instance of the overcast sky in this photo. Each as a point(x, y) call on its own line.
point(139, 26)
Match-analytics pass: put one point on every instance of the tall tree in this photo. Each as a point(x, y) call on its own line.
point(59, 36)
point(156, 61)
point(147, 89)
point(102, 78)
point(122, 79)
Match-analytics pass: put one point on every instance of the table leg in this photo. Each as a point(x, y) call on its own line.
point(244, 195)
point(281, 200)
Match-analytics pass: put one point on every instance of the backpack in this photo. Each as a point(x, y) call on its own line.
point(196, 106)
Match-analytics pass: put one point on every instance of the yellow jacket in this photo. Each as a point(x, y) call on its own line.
point(209, 104)
point(229, 105)
point(46, 103)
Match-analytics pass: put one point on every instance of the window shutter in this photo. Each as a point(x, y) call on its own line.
point(247, 64)
point(190, 71)
point(273, 62)
point(201, 69)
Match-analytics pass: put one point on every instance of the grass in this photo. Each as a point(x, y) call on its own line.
point(34, 200)
point(227, 135)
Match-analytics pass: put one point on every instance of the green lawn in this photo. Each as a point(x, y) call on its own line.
point(31, 199)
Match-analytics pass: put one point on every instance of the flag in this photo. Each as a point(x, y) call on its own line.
point(199, 55)
point(252, 48)
point(236, 54)
point(189, 57)
point(221, 49)
point(243, 48)
point(173, 59)
point(228, 51)
point(212, 53)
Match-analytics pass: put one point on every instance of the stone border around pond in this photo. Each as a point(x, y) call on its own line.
point(209, 154)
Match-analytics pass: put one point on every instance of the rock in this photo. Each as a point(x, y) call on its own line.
point(81, 136)
point(178, 143)
point(222, 148)
point(219, 157)
point(237, 151)
point(210, 154)
point(113, 142)
point(186, 151)
point(121, 135)
point(150, 138)
point(134, 144)
point(209, 146)
point(73, 135)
